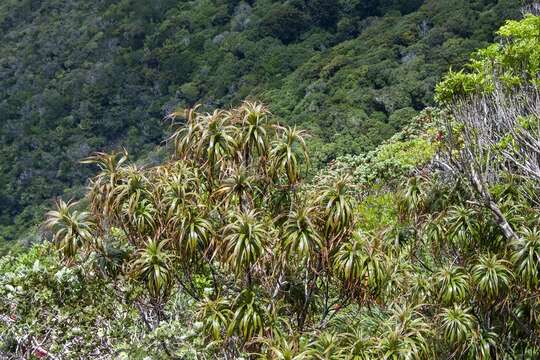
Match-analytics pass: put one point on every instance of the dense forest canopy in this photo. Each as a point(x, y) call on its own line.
point(80, 76)
point(426, 247)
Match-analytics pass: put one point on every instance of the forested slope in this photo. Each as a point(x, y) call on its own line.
point(79, 76)
point(427, 247)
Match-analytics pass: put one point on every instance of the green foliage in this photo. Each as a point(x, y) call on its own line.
point(515, 60)
point(248, 316)
point(47, 309)
point(225, 251)
point(72, 227)
point(453, 284)
point(410, 148)
point(284, 22)
point(153, 268)
point(87, 76)
point(359, 265)
point(457, 323)
point(492, 275)
point(245, 237)
point(300, 235)
point(526, 256)
point(66, 304)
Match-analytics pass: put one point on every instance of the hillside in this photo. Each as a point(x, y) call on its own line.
point(79, 76)
point(426, 247)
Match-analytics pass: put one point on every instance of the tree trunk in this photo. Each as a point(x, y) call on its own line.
point(500, 219)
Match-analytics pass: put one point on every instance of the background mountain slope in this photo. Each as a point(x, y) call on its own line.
point(78, 76)
point(426, 247)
